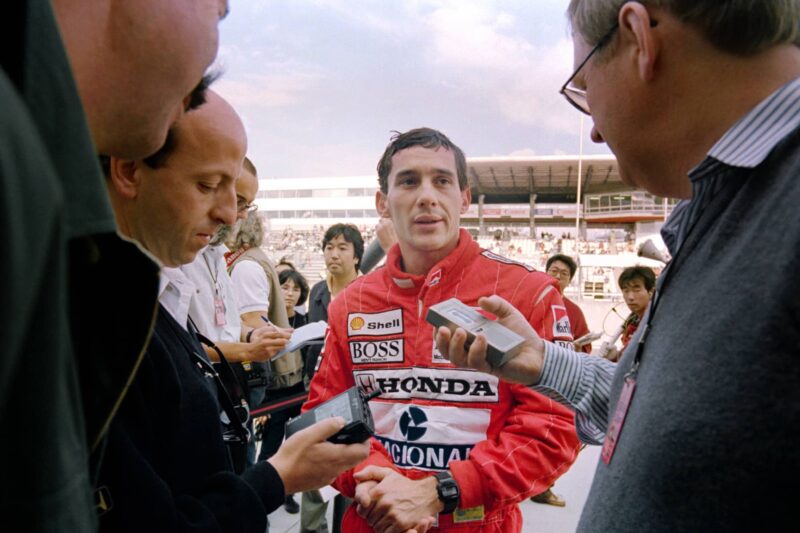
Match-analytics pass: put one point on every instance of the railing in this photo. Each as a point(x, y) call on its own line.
point(645, 208)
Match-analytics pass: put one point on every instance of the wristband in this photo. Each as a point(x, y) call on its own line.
point(249, 334)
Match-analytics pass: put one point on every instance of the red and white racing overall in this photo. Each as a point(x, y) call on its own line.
point(501, 442)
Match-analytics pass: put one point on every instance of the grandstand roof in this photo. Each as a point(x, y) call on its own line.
point(554, 179)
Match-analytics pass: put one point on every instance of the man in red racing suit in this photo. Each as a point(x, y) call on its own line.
point(501, 442)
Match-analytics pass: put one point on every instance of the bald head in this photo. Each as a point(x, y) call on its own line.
point(216, 119)
point(174, 206)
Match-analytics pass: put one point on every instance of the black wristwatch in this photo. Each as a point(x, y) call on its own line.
point(448, 491)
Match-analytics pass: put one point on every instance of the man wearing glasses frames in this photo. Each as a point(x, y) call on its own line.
point(166, 466)
point(698, 100)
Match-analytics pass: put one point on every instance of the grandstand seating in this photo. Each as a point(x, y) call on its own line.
point(601, 261)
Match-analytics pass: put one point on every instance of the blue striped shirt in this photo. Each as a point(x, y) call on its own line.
point(584, 382)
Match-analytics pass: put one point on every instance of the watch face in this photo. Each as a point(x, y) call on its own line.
point(448, 491)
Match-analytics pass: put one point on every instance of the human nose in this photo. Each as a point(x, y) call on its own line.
point(225, 211)
point(222, 6)
point(427, 194)
point(597, 136)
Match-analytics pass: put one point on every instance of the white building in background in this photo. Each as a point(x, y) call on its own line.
point(553, 199)
point(303, 203)
point(525, 196)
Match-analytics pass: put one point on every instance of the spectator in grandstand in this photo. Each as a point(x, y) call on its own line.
point(695, 392)
point(343, 249)
point(260, 298)
point(65, 93)
point(438, 451)
point(284, 264)
point(166, 466)
point(637, 284)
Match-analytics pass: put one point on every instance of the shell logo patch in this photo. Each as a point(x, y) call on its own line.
point(375, 324)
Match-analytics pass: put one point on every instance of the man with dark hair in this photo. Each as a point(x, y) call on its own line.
point(692, 415)
point(449, 442)
point(168, 457)
point(637, 284)
point(563, 268)
point(343, 249)
point(64, 352)
point(426, 138)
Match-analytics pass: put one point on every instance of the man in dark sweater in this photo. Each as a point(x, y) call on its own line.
point(167, 466)
point(699, 100)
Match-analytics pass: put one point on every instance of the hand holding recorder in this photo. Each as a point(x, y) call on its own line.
point(525, 367)
point(308, 460)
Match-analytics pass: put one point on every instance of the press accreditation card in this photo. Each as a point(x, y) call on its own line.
point(219, 312)
point(618, 419)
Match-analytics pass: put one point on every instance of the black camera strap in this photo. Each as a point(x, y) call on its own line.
point(228, 387)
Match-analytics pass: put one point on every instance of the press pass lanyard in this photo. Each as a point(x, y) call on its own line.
point(219, 304)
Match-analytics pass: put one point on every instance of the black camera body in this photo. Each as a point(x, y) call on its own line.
point(256, 374)
point(352, 405)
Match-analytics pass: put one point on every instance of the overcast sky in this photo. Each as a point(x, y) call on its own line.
point(321, 84)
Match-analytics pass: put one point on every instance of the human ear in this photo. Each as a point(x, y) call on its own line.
point(466, 199)
point(637, 26)
point(123, 177)
point(381, 204)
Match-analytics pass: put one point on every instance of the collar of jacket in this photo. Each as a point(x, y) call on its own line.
point(456, 260)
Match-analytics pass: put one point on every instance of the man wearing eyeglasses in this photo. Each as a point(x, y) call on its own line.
point(563, 268)
point(701, 101)
point(166, 465)
point(213, 307)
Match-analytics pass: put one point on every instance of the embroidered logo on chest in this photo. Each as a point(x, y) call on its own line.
point(375, 324)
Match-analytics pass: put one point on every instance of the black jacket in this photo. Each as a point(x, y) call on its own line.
point(166, 467)
point(318, 303)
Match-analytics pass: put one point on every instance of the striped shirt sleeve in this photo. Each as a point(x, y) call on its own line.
point(581, 382)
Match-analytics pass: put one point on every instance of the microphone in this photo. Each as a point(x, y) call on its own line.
point(372, 256)
point(610, 342)
point(648, 250)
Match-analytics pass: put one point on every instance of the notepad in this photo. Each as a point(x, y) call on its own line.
point(313, 333)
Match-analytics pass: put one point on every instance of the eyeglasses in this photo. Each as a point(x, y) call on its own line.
point(574, 95)
point(558, 273)
point(242, 205)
